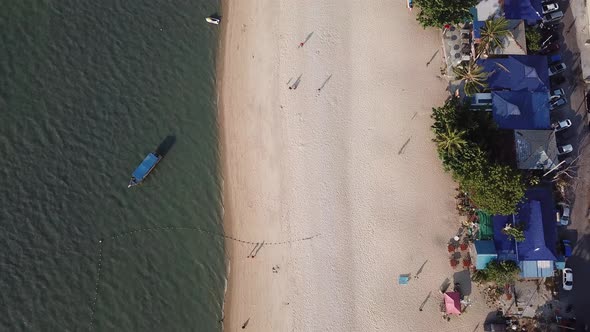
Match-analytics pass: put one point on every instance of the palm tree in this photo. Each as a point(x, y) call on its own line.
point(473, 75)
point(492, 35)
point(451, 140)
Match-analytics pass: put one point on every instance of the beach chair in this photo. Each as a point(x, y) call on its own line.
point(403, 279)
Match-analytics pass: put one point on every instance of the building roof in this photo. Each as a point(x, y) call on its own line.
point(523, 9)
point(535, 149)
point(485, 252)
point(537, 245)
point(486, 231)
point(486, 9)
point(517, 72)
point(521, 109)
point(505, 246)
point(514, 44)
point(537, 214)
point(536, 269)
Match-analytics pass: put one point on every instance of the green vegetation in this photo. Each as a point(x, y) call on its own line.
point(533, 39)
point(501, 273)
point(451, 140)
point(473, 76)
point(516, 232)
point(463, 140)
point(437, 13)
point(492, 35)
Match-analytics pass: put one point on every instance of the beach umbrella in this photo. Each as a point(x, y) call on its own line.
point(453, 303)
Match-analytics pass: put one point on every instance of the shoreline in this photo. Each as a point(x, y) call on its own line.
point(220, 56)
point(349, 156)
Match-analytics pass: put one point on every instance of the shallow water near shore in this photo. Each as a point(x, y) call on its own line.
point(87, 90)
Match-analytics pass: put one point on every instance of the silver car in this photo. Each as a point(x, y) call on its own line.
point(552, 17)
point(562, 125)
point(564, 149)
point(563, 217)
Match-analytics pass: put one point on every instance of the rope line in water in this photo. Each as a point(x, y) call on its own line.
point(169, 228)
point(99, 267)
point(165, 228)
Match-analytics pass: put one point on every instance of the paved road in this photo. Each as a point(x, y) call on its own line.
point(575, 32)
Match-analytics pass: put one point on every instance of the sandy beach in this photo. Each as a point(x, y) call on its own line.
point(343, 156)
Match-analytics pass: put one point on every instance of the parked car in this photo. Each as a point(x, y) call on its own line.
point(549, 48)
point(557, 102)
point(568, 279)
point(557, 68)
point(552, 17)
point(556, 80)
point(566, 248)
point(563, 214)
point(548, 27)
point(554, 59)
point(564, 149)
point(549, 7)
point(562, 125)
point(558, 92)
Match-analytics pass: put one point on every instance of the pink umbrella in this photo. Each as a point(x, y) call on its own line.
point(453, 303)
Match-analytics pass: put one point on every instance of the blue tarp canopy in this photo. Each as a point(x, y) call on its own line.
point(528, 10)
point(535, 246)
point(537, 253)
point(517, 72)
point(521, 109)
point(505, 246)
point(485, 253)
point(477, 25)
point(144, 168)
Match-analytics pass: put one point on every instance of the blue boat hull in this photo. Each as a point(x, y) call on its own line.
point(144, 169)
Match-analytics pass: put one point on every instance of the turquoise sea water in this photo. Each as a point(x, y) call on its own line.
point(87, 89)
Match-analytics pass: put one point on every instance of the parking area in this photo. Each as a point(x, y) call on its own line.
point(574, 34)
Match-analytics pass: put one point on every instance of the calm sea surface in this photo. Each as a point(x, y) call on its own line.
point(87, 89)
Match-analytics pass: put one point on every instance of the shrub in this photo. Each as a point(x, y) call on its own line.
point(500, 272)
point(437, 13)
point(516, 232)
point(533, 39)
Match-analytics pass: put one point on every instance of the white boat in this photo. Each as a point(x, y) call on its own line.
point(212, 20)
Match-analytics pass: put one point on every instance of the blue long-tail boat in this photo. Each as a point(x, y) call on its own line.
point(144, 169)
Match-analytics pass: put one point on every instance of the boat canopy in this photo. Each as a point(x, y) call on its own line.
point(144, 168)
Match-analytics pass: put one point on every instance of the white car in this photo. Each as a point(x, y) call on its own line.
point(561, 125)
point(568, 279)
point(564, 149)
point(557, 68)
point(563, 217)
point(552, 17)
point(550, 7)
